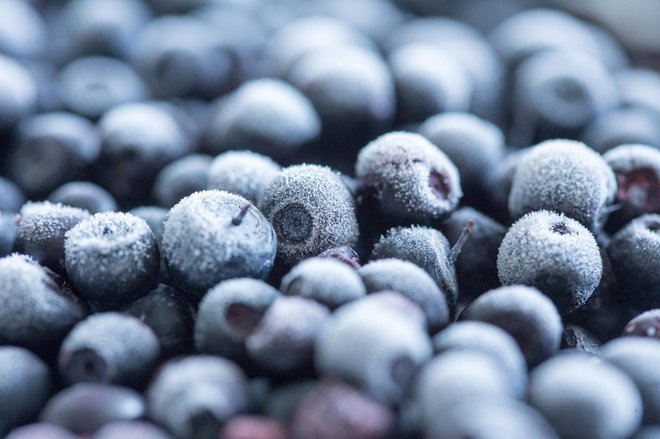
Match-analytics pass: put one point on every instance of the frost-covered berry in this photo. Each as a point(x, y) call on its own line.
point(564, 176)
point(245, 173)
point(211, 236)
point(84, 195)
point(408, 178)
point(111, 258)
point(325, 280)
point(181, 178)
point(553, 253)
point(311, 210)
point(647, 324)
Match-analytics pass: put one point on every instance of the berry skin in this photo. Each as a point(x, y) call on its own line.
point(553, 253)
point(635, 251)
point(245, 173)
point(18, 90)
point(84, 195)
point(111, 258)
point(211, 236)
point(8, 232)
point(311, 211)
point(41, 431)
point(637, 88)
point(229, 313)
point(11, 196)
point(109, 348)
point(25, 386)
point(526, 314)
point(408, 178)
point(413, 283)
point(326, 280)
point(253, 427)
point(23, 30)
point(344, 254)
point(41, 230)
point(584, 398)
point(620, 126)
point(181, 178)
point(130, 429)
point(647, 324)
point(579, 339)
point(564, 176)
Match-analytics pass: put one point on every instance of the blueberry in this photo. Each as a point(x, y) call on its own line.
point(41, 431)
point(41, 229)
point(637, 86)
point(648, 432)
point(500, 183)
point(23, 33)
point(428, 81)
point(621, 126)
point(379, 351)
point(253, 427)
point(130, 429)
point(245, 173)
point(647, 324)
point(111, 258)
point(391, 301)
point(408, 178)
point(474, 145)
point(18, 90)
point(283, 341)
point(229, 313)
point(197, 63)
point(109, 348)
point(90, 86)
point(333, 409)
point(181, 178)
point(584, 398)
point(311, 211)
point(8, 232)
point(264, 115)
point(553, 253)
point(84, 195)
point(565, 176)
point(283, 401)
point(525, 313)
point(412, 282)
point(634, 251)
point(325, 280)
point(637, 170)
point(155, 218)
point(344, 254)
point(25, 386)
point(490, 418)
point(194, 396)
point(85, 408)
point(11, 196)
point(39, 313)
point(578, 338)
point(488, 339)
point(52, 148)
point(211, 236)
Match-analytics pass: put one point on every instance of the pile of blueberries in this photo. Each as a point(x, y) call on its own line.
point(326, 219)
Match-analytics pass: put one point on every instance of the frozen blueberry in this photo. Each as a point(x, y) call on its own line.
point(253, 427)
point(25, 386)
point(211, 236)
point(488, 339)
point(39, 312)
point(584, 398)
point(90, 86)
point(428, 81)
point(181, 178)
point(556, 93)
point(392, 301)
point(476, 264)
point(634, 251)
point(325, 280)
point(84, 408)
point(455, 376)
point(18, 92)
point(263, 115)
point(8, 232)
point(553, 253)
point(130, 429)
point(637, 88)
point(624, 125)
point(155, 218)
point(344, 254)
point(333, 409)
point(41, 229)
point(311, 211)
point(245, 173)
point(500, 183)
point(379, 351)
point(474, 145)
point(578, 338)
point(192, 397)
point(11, 196)
point(52, 148)
point(23, 33)
point(647, 324)
point(406, 178)
point(564, 176)
point(229, 313)
point(412, 282)
point(42, 431)
point(169, 316)
point(637, 170)
point(137, 140)
point(84, 195)
point(525, 313)
point(109, 348)
point(111, 258)
point(490, 418)
point(91, 27)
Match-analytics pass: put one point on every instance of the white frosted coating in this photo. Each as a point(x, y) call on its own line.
point(45, 221)
point(626, 158)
